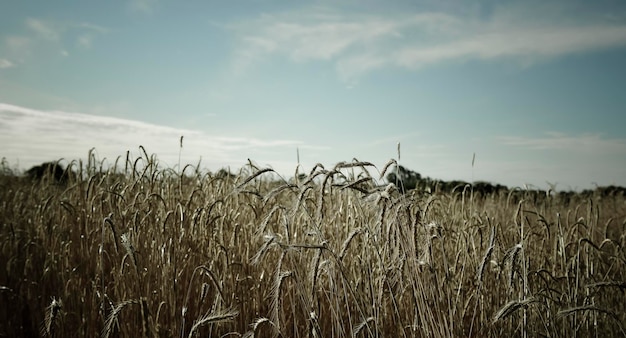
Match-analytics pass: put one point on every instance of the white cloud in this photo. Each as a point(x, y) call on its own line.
point(48, 37)
point(32, 136)
point(358, 44)
point(45, 30)
point(350, 67)
point(88, 33)
point(305, 38)
point(84, 40)
point(518, 42)
point(4, 63)
point(142, 6)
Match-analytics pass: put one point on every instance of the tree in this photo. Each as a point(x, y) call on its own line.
point(50, 170)
point(404, 178)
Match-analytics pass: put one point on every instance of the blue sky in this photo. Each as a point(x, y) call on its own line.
point(534, 88)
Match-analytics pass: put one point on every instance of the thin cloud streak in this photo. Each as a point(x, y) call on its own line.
point(517, 43)
point(358, 44)
point(47, 37)
point(588, 143)
point(32, 136)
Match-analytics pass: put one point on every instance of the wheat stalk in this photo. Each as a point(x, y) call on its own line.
point(51, 318)
point(511, 307)
point(112, 318)
point(212, 318)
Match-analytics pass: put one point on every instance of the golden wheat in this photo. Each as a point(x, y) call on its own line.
point(336, 253)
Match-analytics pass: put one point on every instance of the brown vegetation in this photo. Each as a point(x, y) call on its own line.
point(158, 253)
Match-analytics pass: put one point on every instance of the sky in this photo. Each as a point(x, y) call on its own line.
point(520, 93)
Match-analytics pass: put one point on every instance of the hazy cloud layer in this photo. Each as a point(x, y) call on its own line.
point(567, 159)
point(358, 44)
point(32, 136)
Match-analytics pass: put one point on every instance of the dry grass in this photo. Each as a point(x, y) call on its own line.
point(163, 253)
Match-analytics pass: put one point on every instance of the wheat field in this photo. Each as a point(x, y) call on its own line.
point(143, 250)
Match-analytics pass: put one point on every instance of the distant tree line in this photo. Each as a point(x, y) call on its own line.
point(407, 180)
